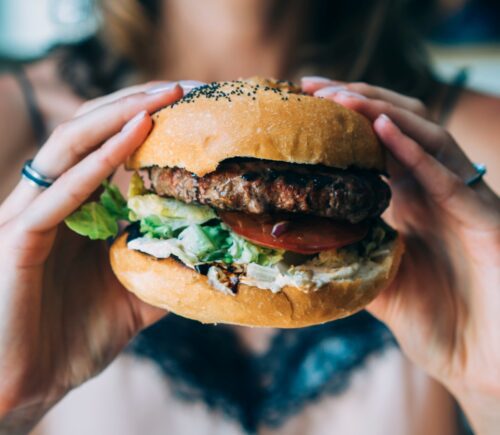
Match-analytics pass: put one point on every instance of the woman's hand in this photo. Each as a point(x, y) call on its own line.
point(63, 314)
point(444, 305)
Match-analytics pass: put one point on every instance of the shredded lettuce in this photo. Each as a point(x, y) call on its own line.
point(157, 227)
point(243, 252)
point(192, 232)
point(194, 240)
point(198, 230)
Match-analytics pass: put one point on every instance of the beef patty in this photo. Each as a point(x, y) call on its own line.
point(258, 186)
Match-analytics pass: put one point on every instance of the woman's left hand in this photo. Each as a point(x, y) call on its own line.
point(444, 304)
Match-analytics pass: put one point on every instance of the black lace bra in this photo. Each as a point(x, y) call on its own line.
point(208, 363)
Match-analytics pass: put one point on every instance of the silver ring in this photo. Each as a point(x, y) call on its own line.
point(34, 177)
point(480, 171)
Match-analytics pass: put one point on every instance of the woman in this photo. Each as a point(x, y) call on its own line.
point(65, 317)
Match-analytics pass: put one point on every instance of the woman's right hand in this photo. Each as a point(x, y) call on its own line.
point(63, 314)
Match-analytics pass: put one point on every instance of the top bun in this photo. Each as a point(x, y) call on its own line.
point(264, 119)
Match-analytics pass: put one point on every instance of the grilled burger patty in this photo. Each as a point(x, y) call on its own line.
point(268, 187)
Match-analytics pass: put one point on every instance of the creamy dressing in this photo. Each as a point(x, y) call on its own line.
point(163, 249)
point(308, 277)
point(216, 277)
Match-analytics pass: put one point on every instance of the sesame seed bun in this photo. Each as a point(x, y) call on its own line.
point(257, 118)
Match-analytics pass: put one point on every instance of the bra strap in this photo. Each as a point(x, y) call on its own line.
point(34, 111)
point(452, 94)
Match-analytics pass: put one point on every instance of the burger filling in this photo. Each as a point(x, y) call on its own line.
point(260, 223)
point(265, 224)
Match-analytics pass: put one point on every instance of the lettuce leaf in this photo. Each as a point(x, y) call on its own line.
point(193, 231)
point(198, 230)
point(113, 201)
point(94, 221)
point(98, 220)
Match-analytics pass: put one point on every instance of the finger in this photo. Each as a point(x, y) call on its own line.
point(93, 104)
point(377, 93)
point(323, 87)
point(430, 135)
point(186, 85)
point(444, 187)
point(23, 194)
point(51, 207)
point(311, 84)
point(73, 140)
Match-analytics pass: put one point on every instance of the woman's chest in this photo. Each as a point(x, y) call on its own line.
point(319, 380)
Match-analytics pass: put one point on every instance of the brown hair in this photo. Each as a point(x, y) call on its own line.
point(129, 29)
point(362, 40)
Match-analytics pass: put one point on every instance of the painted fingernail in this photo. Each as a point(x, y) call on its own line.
point(163, 87)
point(189, 85)
point(329, 90)
point(350, 94)
point(316, 79)
point(134, 121)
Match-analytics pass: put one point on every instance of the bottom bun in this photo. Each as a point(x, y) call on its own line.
point(168, 284)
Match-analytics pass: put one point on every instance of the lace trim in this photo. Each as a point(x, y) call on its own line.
point(207, 363)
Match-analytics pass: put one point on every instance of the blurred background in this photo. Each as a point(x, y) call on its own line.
point(464, 35)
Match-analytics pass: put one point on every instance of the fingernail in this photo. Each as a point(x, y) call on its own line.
point(316, 79)
point(134, 121)
point(329, 90)
point(189, 85)
point(384, 117)
point(163, 87)
point(350, 94)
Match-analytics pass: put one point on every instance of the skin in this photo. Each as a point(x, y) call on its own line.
point(446, 324)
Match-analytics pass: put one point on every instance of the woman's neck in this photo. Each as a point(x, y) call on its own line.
point(225, 39)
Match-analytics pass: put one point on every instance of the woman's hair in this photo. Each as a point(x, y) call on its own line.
point(376, 41)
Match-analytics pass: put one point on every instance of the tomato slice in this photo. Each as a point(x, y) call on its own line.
point(302, 234)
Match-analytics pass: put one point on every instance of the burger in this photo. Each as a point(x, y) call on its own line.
point(254, 204)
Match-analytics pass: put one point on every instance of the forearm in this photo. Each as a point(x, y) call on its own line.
point(21, 420)
point(19, 415)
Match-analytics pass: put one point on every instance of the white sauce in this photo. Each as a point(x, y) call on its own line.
point(215, 276)
point(308, 277)
point(163, 249)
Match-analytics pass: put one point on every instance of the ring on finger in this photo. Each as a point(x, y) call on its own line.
point(34, 177)
point(480, 172)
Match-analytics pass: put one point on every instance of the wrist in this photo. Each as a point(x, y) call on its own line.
point(20, 412)
point(20, 419)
